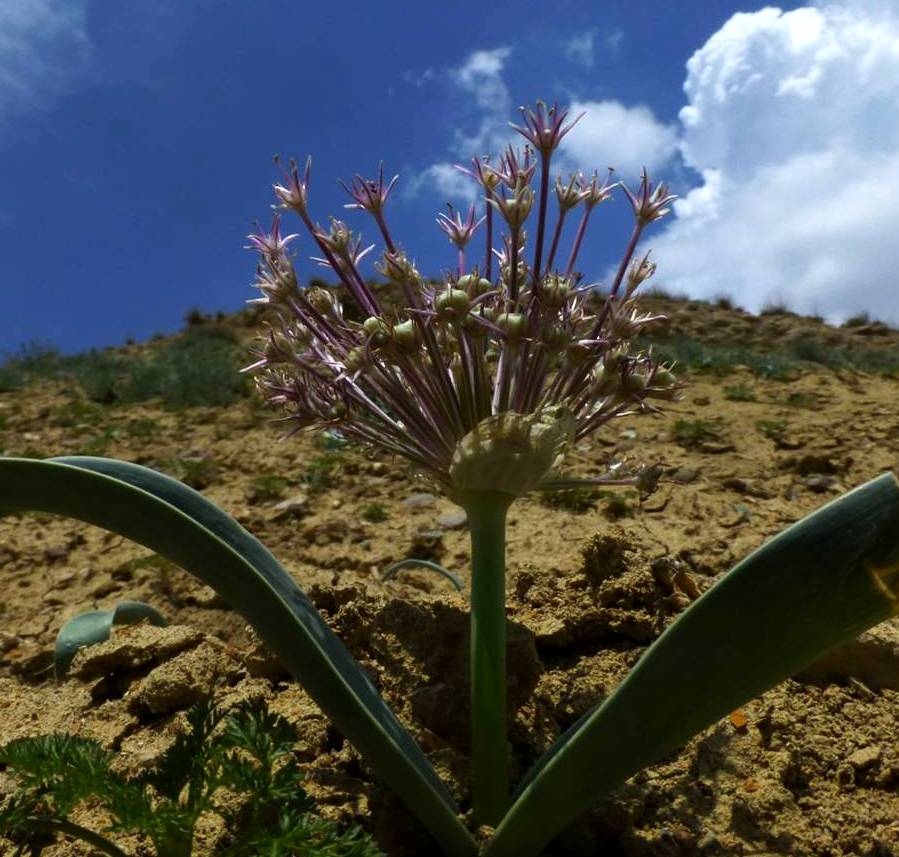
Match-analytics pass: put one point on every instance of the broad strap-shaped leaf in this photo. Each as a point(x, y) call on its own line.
point(819, 583)
point(186, 528)
point(95, 626)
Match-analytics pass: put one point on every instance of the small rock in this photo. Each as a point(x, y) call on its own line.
point(684, 475)
point(8, 641)
point(56, 552)
point(865, 757)
point(417, 501)
point(784, 442)
point(628, 434)
point(820, 484)
point(455, 519)
point(716, 447)
point(133, 647)
point(872, 658)
point(292, 507)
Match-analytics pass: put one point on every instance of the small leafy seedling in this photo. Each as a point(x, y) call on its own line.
point(245, 755)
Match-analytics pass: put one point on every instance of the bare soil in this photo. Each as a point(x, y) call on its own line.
point(810, 768)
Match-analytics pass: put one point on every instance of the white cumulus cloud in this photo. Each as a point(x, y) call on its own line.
point(792, 120)
point(613, 135)
point(44, 46)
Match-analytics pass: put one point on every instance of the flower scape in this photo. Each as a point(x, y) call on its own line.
point(482, 380)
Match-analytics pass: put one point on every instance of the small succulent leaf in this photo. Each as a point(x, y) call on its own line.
point(95, 626)
point(186, 528)
point(819, 583)
point(414, 562)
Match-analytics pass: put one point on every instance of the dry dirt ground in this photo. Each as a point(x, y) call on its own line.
point(810, 768)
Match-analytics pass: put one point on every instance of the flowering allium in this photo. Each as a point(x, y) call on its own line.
point(482, 380)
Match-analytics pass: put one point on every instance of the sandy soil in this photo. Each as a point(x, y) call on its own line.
point(810, 768)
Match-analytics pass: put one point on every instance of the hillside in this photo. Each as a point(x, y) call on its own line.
point(780, 413)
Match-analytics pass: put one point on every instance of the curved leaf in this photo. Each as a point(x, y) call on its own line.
point(186, 528)
point(414, 562)
point(95, 626)
point(821, 582)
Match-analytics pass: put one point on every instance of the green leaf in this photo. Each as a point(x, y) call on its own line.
point(817, 584)
point(186, 528)
point(93, 627)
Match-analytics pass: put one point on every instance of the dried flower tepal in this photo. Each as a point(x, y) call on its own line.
point(480, 373)
point(484, 380)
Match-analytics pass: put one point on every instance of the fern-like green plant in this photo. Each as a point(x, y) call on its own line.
point(246, 753)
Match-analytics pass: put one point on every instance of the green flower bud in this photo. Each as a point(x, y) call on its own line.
point(555, 291)
point(663, 377)
point(405, 335)
point(322, 301)
point(555, 338)
point(605, 383)
point(634, 383)
point(376, 328)
point(452, 303)
point(357, 359)
point(337, 411)
point(475, 286)
point(513, 324)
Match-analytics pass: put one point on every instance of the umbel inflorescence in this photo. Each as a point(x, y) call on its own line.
point(484, 378)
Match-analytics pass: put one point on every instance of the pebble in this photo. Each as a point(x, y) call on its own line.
point(865, 757)
point(8, 641)
point(455, 519)
point(417, 501)
point(295, 506)
point(716, 447)
point(820, 484)
point(685, 475)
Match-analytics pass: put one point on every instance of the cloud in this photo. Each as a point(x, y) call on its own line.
point(792, 121)
point(581, 47)
point(612, 135)
point(44, 47)
point(480, 76)
point(449, 183)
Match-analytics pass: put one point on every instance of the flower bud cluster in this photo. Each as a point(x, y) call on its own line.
point(423, 378)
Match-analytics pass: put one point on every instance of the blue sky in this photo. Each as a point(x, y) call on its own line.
point(136, 141)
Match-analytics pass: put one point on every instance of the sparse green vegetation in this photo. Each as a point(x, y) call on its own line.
point(319, 473)
point(198, 472)
point(618, 504)
point(197, 368)
point(239, 766)
point(570, 499)
point(857, 320)
point(267, 488)
point(374, 512)
point(775, 430)
point(142, 429)
point(692, 433)
point(740, 393)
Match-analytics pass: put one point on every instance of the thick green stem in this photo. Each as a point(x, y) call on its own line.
point(489, 748)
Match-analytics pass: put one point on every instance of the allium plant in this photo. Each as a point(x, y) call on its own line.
point(484, 380)
point(482, 383)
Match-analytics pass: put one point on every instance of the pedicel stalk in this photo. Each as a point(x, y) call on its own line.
point(484, 383)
